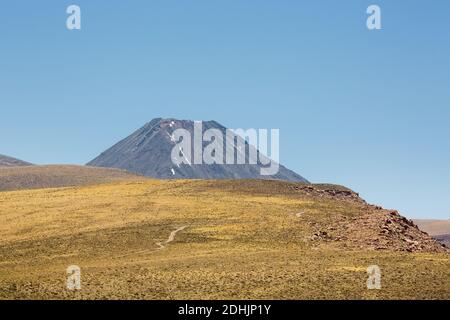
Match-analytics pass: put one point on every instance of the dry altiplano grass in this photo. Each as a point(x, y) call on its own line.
point(195, 239)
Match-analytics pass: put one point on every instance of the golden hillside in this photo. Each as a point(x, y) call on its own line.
point(54, 176)
point(197, 239)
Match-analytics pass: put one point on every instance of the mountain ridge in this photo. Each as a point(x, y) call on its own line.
point(59, 176)
point(6, 161)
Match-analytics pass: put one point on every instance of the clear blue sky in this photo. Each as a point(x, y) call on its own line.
point(366, 109)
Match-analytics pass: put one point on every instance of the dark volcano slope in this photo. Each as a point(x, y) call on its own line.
point(148, 152)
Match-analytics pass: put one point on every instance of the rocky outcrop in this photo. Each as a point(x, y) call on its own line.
point(372, 228)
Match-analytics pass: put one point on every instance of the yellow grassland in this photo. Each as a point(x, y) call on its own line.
point(239, 242)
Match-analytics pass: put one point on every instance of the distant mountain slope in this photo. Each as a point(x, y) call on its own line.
point(53, 176)
point(148, 152)
point(433, 227)
point(6, 161)
point(438, 229)
point(443, 238)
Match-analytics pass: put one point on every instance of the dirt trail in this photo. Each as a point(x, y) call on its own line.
point(172, 235)
point(161, 245)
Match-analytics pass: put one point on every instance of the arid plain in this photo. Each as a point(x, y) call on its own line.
point(197, 239)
